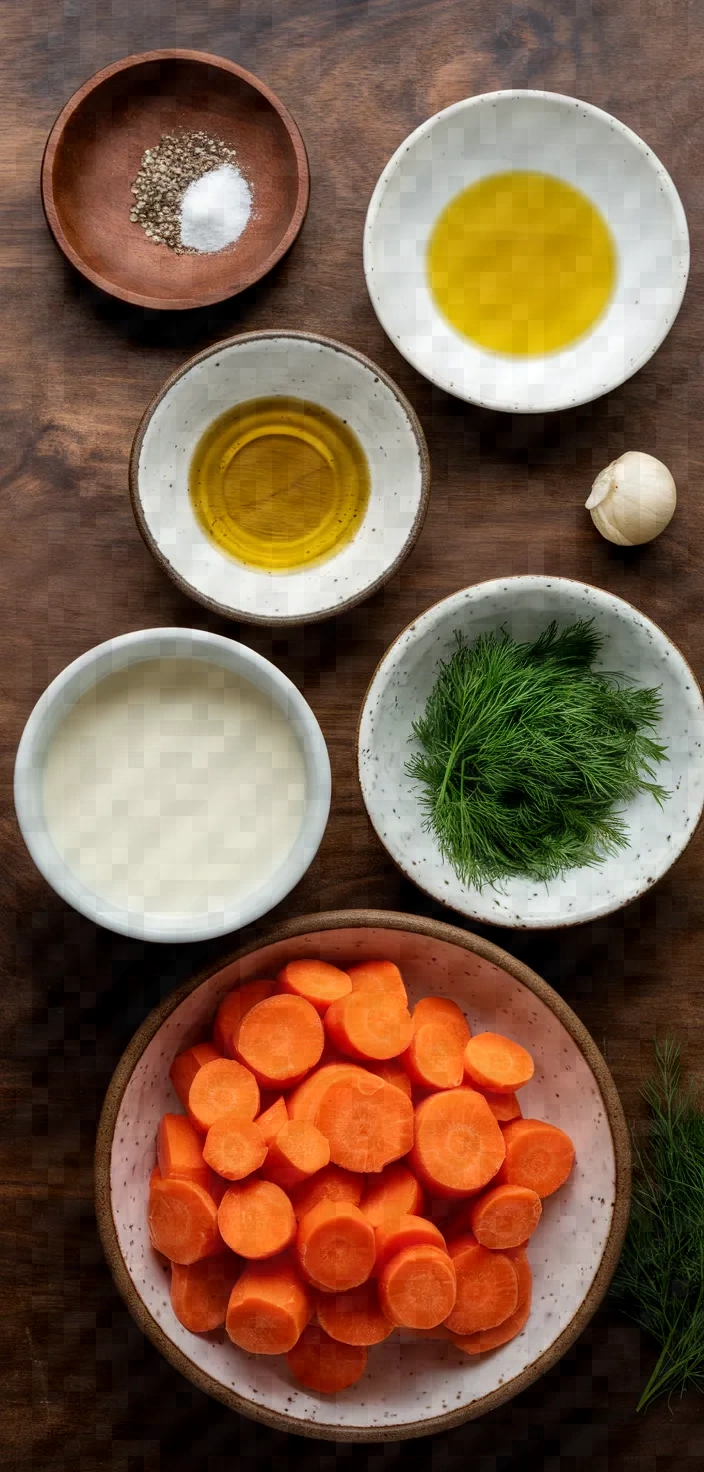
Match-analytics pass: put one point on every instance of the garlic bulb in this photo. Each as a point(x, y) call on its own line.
point(633, 499)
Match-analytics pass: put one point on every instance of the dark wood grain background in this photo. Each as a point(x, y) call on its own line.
point(82, 1391)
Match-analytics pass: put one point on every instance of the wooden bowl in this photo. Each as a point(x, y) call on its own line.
point(94, 151)
point(412, 1386)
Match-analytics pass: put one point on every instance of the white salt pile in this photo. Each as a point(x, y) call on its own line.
point(215, 209)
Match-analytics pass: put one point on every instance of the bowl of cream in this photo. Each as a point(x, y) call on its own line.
point(172, 785)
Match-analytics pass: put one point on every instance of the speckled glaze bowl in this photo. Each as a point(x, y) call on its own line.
point(412, 1386)
point(307, 367)
point(634, 647)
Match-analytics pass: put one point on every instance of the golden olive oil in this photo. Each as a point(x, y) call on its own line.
point(279, 483)
point(521, 263)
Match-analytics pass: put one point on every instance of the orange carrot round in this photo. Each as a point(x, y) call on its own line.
point(417, 1287)
point(392, 1071)
point(179, 1149)
point(269, 1308)
point(329, 1184)
point(373, 1025)
point(256, 1219)
point(505, 1216)
point(280, 1039)
point(354, 1317)
point(323, 1364)
point(219, 1088)
point(368, 1123)
point(504, 1107)
point(492, 1338)
point(495, 1062)
point(538, 1155)
point(232, 1009)
point(304, 1100)
point(394, 1192)
point(487, 1287)
point(458, 1145)
point(434, 1058)
point(234, 1147)
point(405, 1231)
point(185, 1067)
point(273, 1119)
point(183, 1220)
point(297, 1152)
point(377, 976)
point(335, 1246)
point(317, 981)
point(200, 1291)
point(441, 1010)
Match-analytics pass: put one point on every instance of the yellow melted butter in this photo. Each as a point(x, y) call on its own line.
point(521, 263)
point(279, 483)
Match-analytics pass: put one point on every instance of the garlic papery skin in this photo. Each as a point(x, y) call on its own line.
point(633, 499)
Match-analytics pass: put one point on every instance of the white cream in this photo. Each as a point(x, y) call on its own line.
point(174, 786)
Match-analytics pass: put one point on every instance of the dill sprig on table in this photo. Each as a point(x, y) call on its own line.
point(659, 1281)
point(526, 753)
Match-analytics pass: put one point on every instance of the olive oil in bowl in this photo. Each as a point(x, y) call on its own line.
point(279, 483)
point(521, 263)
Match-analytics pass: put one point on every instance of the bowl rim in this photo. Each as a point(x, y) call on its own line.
point(506, 922)
point(439, 931)
point(223, 609)
point(200, 642)
point(55, 141)
point(520, 94)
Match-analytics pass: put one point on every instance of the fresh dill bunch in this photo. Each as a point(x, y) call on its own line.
point(659, 1281)
point(526, 754)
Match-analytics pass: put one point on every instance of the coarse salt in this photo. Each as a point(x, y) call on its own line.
point(215, 209)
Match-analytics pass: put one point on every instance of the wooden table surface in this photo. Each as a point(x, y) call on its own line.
point(82, 1390)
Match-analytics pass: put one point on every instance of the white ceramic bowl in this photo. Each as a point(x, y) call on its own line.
point(412, 1386)
point(634, 647)
point(308, 367)
point(555, 135)
point(86, 672)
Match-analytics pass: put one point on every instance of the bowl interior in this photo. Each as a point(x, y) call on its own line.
point(225, 914)
point(525, 606)
point(576, 143)
point(99, 153)
point(307, 368)
point(407, 1380)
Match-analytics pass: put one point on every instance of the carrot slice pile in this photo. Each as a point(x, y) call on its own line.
point(395, 1192)
point(303, 1102)
point(234, 1147)
point(368, 1123)
point(183, 1220)
point(373, 1025)
point(435, 1056)
point(324, 1364)
point(417, 1287)
point(495, 1062)
point(505, 1216)
point(273, 1119)
point(487, 1287)
point(354, 1317)
point(200, 1291)
point(219, 1088)
point(330, 1184)
point(317, 981)
point(280, 1039)
point(179, 1150)
point(297, 1152)
point(256, 1219)
point(185, 1067)
point(458, 1144)
point(269, 1308)
point(233, 1008)
point(405, 1231)
point(392, 1071)
point(538, 1155)
point(378, 976)
point(488, 1339)
point(335, 1246)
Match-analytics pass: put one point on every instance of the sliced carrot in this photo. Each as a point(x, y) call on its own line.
point(393, 1193)
point(256, 1219)
point(458, 1145)
point(538, 1155)
point(155, 1176)
point(234, 1147)
point(367, 1122)
point(219, 1088)
point(492, 1338)
point(183, 1220)
point(374, 1025)
point(298, 1151)
point(317, 981)
point(405, 1231)
point(329, 1184)
point(217, 1187)
point(434, 1058)
point(354, 1317)
point(377, 976)
point(417, 1287)
point(487, 1287)
point(179, 1149)
point(280, 1039)
point(185, 1067)
point(233, 1008)
point(504, 1107)
point(303, 1101)
point(392, 1071)
point(505, 1216)
point(335, 1246)
point(495, 1062)
point(269, 1307)
point(324, 1364)
point(442, 1010)
point(273, 1119)
point(200, 1291)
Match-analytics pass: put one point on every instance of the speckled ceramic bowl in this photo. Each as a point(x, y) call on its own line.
point(411, 1386)
point(307, 367)
point(525, 606)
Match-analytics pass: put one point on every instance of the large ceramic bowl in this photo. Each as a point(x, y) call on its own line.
point(524, 606)
point(575, 142)
point(411, 1387)
point(304, 366)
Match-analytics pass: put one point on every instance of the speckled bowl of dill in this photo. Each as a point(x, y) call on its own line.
point(633, 818)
